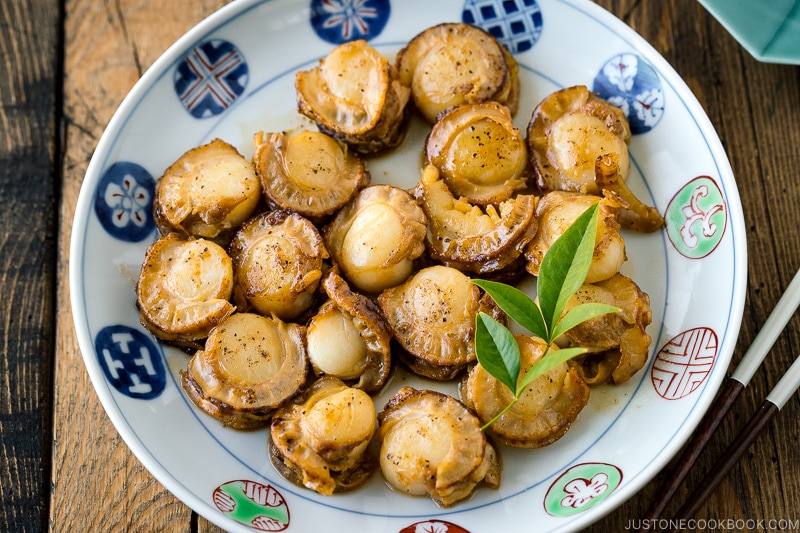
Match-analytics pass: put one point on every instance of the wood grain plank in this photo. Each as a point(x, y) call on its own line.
point(29, 89)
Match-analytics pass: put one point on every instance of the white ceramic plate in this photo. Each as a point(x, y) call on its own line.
point(232, 76)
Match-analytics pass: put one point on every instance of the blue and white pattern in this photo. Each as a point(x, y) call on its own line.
point(124, 201)
point(628, 81)
point(130, 361)
point(210, 78)
point(341, 21)
point(515, 23)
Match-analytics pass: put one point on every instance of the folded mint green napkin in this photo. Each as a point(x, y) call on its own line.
point(768, 29)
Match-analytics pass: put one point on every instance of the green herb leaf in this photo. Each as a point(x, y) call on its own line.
point(497, 350)
point(548, 361)
point(516, 304)
point(581, 313)
point(565, 265)
point(561, 274)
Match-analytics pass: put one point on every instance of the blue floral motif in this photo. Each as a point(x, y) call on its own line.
point(124, 201)
point(515, 23)
point(341, 21)
point(631, 83)
point(210, 78)
point(130, 361)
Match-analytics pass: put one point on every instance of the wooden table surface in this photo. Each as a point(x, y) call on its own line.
point(66, 66)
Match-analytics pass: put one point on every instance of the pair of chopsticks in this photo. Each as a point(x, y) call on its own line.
point(735, 384)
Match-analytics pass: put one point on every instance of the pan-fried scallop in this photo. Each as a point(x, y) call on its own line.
point(479, 152)
point(310, 173)
point(557, 210)
point(207, 192)
point(355, 95)
point(320, 440)
point(431, 444)
point(349, 338)
point(634, 214)
point(546, 408)
point(277, 264)
point(432, 316)
point(470, 238)
point(454, 64)
point(568, 131)
point(618, 343)
point(250, 365)
point(376, 237)
point(184, 288)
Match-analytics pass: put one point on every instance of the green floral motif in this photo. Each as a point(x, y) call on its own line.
point(696, 218)
point(581, 487)
point(253, 504)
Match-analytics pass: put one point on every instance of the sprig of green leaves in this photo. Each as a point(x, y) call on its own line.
point(561, 274)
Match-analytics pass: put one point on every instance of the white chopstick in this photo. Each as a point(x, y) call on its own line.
point(770, 407)
point(775, 324)
point(735, 384)
point(787, 386)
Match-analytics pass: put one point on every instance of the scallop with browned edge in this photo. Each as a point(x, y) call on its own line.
point(568, 131)
point(618, 343)
point(309, 172)
point(354, 94)
point(471, 238)
point(250, 365)
point(455, 63)
point(277, 264)
point(480, 153)
point(546, 408)
point(432, 316)
point(320, 440)
point(376, 237)
point(349, 338)
point(431, 444)
point(207, 192)
point(183, 289)
point(557, 210)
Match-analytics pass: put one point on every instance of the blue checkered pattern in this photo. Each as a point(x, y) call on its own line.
point(515, 23)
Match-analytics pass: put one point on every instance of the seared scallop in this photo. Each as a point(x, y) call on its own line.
point(184, 288)
point(635, 214)
point(469, 238)
point(568, 131)
point(355, 95)
point(320, 440)
point(250, 365)
point(431, 444)
point(310, 173)
point(558, 210)
point(376, 237)
point(432, 316)
point(454, 64)
point(618, 343)
point(277, 264)
point(546, 408)
point(479, 152)
point(207, 192)
point(349, 338)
